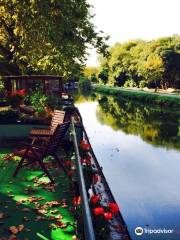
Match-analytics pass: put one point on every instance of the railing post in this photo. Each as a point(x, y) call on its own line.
point(88, 225)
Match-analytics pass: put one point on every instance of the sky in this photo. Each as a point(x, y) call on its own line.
point(124, 20)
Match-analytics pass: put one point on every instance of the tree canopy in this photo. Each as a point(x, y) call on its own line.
point(141, 63)
point(48, 36)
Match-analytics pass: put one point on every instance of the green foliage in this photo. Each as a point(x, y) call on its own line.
point(150, 98)
point(130, 83)
point(103, 76)
point(48, 36)
point(84, 85)
point(37, 99)
point(93, 78)
point(1, 85)
point(139, 63)
point(156, 125)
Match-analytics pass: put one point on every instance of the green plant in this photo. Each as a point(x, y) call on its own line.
point(84, 85)
point(130, 83)
point(37, 99)
point(142, 84)
point(1, 85)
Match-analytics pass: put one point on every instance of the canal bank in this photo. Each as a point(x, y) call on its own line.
point(168, 100)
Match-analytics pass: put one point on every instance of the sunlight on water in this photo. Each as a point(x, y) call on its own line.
point(141, 163)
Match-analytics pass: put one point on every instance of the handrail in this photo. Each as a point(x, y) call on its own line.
point(88, 225)
point(102, 174)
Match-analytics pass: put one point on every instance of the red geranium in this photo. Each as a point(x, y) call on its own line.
point(88, 160)
point(70, 173)
point(83, 161)
point(77, 200)
point(108, 215)
point(84, 145)
point(68, 163)
point(114, 208)
point(21, 92)
point(98, 211)
point(95, 199)
point(96, 178)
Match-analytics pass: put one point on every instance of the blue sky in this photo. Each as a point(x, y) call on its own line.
point(123, 20)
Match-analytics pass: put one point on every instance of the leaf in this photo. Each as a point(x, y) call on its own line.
point(26, 219)
point(42, 211)
point(13, 230)
point(25, 210)
point(54, 211)
point(39, 218)
point(20, 227)
point(52, 203)
point(61, 224)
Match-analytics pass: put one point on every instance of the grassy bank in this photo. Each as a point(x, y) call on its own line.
point(150, 98)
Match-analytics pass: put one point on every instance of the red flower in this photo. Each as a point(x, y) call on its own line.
point(88, 160)
point(98, 211)
point(83, 161)
point(70, 173)
point(84, 145)
point(68, 163)
point(96, 178)
point(108, 215)
point(95, 199)
point(114, 208)
point(77, 200)
point(21, 92)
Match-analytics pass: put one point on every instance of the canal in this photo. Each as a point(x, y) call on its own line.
point(138, 147)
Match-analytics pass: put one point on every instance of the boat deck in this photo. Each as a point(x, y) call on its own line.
point(32, 206)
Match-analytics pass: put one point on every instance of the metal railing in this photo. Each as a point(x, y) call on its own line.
point(88, 225)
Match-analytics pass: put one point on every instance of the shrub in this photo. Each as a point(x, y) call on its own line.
point(37, 100)
point(84, 85)
point(142, 84)
point(130, 83)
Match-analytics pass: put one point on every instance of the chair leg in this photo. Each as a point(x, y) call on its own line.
point(18, 167)
point(45, 170)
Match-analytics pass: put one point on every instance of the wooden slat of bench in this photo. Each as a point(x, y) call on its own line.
point(58, 118)
point(41, 132)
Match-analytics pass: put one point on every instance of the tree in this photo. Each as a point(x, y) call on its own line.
point(103, 75)
point(139, 63)
point(90, 73)
point(48, 36)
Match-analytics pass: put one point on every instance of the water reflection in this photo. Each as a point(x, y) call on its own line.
point(134, 144)
point(160, 127)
